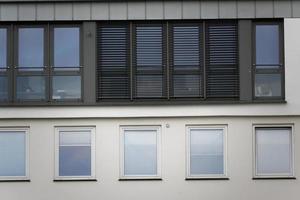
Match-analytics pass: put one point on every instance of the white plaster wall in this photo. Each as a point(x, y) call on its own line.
point(173, 186)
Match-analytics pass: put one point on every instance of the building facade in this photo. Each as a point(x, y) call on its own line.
point(149, 99)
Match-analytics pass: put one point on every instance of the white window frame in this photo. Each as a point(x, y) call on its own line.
point(26, 131)
point(254, 147)
point(122, 153)
point(188, 152)
point(93, 152)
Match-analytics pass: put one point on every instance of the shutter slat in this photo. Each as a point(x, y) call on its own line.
point(222, 74)
point(113, 68)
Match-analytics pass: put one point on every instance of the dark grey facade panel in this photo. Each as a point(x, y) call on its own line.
point(149, 10)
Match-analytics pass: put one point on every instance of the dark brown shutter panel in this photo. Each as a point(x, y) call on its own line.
point(186, 63)
point(148, 61)
point(222, 72)
point(113, 61)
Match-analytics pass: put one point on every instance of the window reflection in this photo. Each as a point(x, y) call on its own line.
point(30, 87)
point(3, 88)
point(66, 47)
point(66, 87)
point(267, 85)
point(31, 48)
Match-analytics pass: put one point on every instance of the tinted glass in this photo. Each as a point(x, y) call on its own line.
point(267, 44)
point(206, 152)
point(12, 153)
point(274, 151)
point(186, 85)
point(66, 47)
point(3, 48)
point(3, 88)
point(149, 86)
point(268, 85)
point(140, 153)
point(31, 47)
point(31, 87)
point(75, 153)
point(66, 87)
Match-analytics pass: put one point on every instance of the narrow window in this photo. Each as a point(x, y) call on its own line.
point(222, 74)
point(268, 77)
point(113, 63)
point(186, 66)
point(140, 152)
point(75, 153)
point(66, 70)
point(149, 66)
point(3, 64)
point(30, 74)
point(206, 152)
point(13, 154)
point(274, 152)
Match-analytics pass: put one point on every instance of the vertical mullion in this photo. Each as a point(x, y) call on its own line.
point(204, 59)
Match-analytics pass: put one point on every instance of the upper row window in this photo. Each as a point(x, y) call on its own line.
point(268, 67)
point(44, 64)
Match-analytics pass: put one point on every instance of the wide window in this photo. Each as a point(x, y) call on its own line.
point(268, 63)
point(75, 153)
point(168, 61)
point(273, 151)
point(140, 152)
point(206, 148)
point(46, 64)
point(13, 154)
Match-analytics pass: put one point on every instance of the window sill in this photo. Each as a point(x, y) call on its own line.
point(75, 180)
point(146, 102)
point(15, 180)
point(206, 179)
point(274, 178)
point(140, 179)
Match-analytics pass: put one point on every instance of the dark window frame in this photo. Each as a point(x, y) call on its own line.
point(12, 70)
point(280, 70)
point(77, 71)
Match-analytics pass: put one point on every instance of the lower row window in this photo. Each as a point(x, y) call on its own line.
point(140, 152)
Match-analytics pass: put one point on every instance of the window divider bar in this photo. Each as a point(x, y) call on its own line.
point(204, 60)
point(167, 60)
point(131, 74)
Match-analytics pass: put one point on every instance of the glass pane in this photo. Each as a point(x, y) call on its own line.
point(66, 47)
point(3, 48)
point(268, 85)
point(206, 153)
point(79, 138)
point(274, 149)
point(75, 153)
point(12, 153)
point(74, 161)
point(149, 48)
point(186, 85)
point(186, 48)
point(140, 153)
point(66, 87)
point(267, 44)
point(31, 87)
point(3, 88)
point(149, 85)
point(31, 47)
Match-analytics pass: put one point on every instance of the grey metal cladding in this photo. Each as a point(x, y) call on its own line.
point(68, 10)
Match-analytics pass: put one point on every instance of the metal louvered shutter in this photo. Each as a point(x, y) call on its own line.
point(186, 62)
point(148, 61)
point(222, 72)
point(113, 61)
